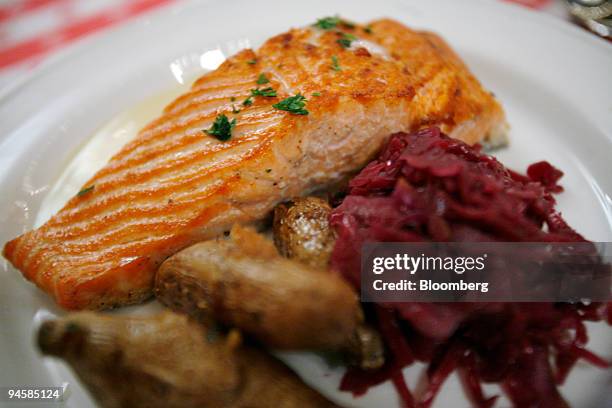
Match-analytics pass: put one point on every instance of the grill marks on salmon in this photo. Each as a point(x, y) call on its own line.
point(174, 185)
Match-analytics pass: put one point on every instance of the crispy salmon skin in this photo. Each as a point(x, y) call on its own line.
point(175, 184)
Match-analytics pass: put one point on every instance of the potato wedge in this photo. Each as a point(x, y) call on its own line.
point(243, 282)
point(166, 361)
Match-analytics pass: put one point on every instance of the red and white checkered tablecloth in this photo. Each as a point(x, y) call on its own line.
point(31, 30)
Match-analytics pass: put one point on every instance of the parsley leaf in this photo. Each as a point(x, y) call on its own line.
point(86, 190)
point(235, 110)
point(293, 104)
point(248, 101)
point(346, 40)
point(316, 94)
point(335, 65)
point(221, 128)
point(252, 62)
point(327, 23)
point(269, 92)
point(262, 79)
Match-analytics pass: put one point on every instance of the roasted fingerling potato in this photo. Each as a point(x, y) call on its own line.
point(167, 361)
point(302, 231)
point(242, 281)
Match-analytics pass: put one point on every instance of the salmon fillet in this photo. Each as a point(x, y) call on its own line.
point(174, 185)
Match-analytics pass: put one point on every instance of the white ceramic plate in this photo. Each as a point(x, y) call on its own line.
point(552, 78)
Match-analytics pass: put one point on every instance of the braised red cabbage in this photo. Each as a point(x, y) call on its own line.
point(425, 186)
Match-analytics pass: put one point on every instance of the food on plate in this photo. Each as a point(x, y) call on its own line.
point(302, 231)
point(173, 213)
point(426, 186)
point(243, 282)
point(309, 107)
point(167, 361)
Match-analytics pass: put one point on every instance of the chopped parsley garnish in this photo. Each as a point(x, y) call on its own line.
point(234, 110)
point(293, 104)
point(346, 40)
point(86, 190)
point(368, 29)
point(262, 79)
point(221, 128)
point(248, 101)
point(316, 94)
point(335, 64)
point(269, 92)
point(327, 23)
point(252, 62)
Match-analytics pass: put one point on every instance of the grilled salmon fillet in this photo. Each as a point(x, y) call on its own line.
point(174, 184)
